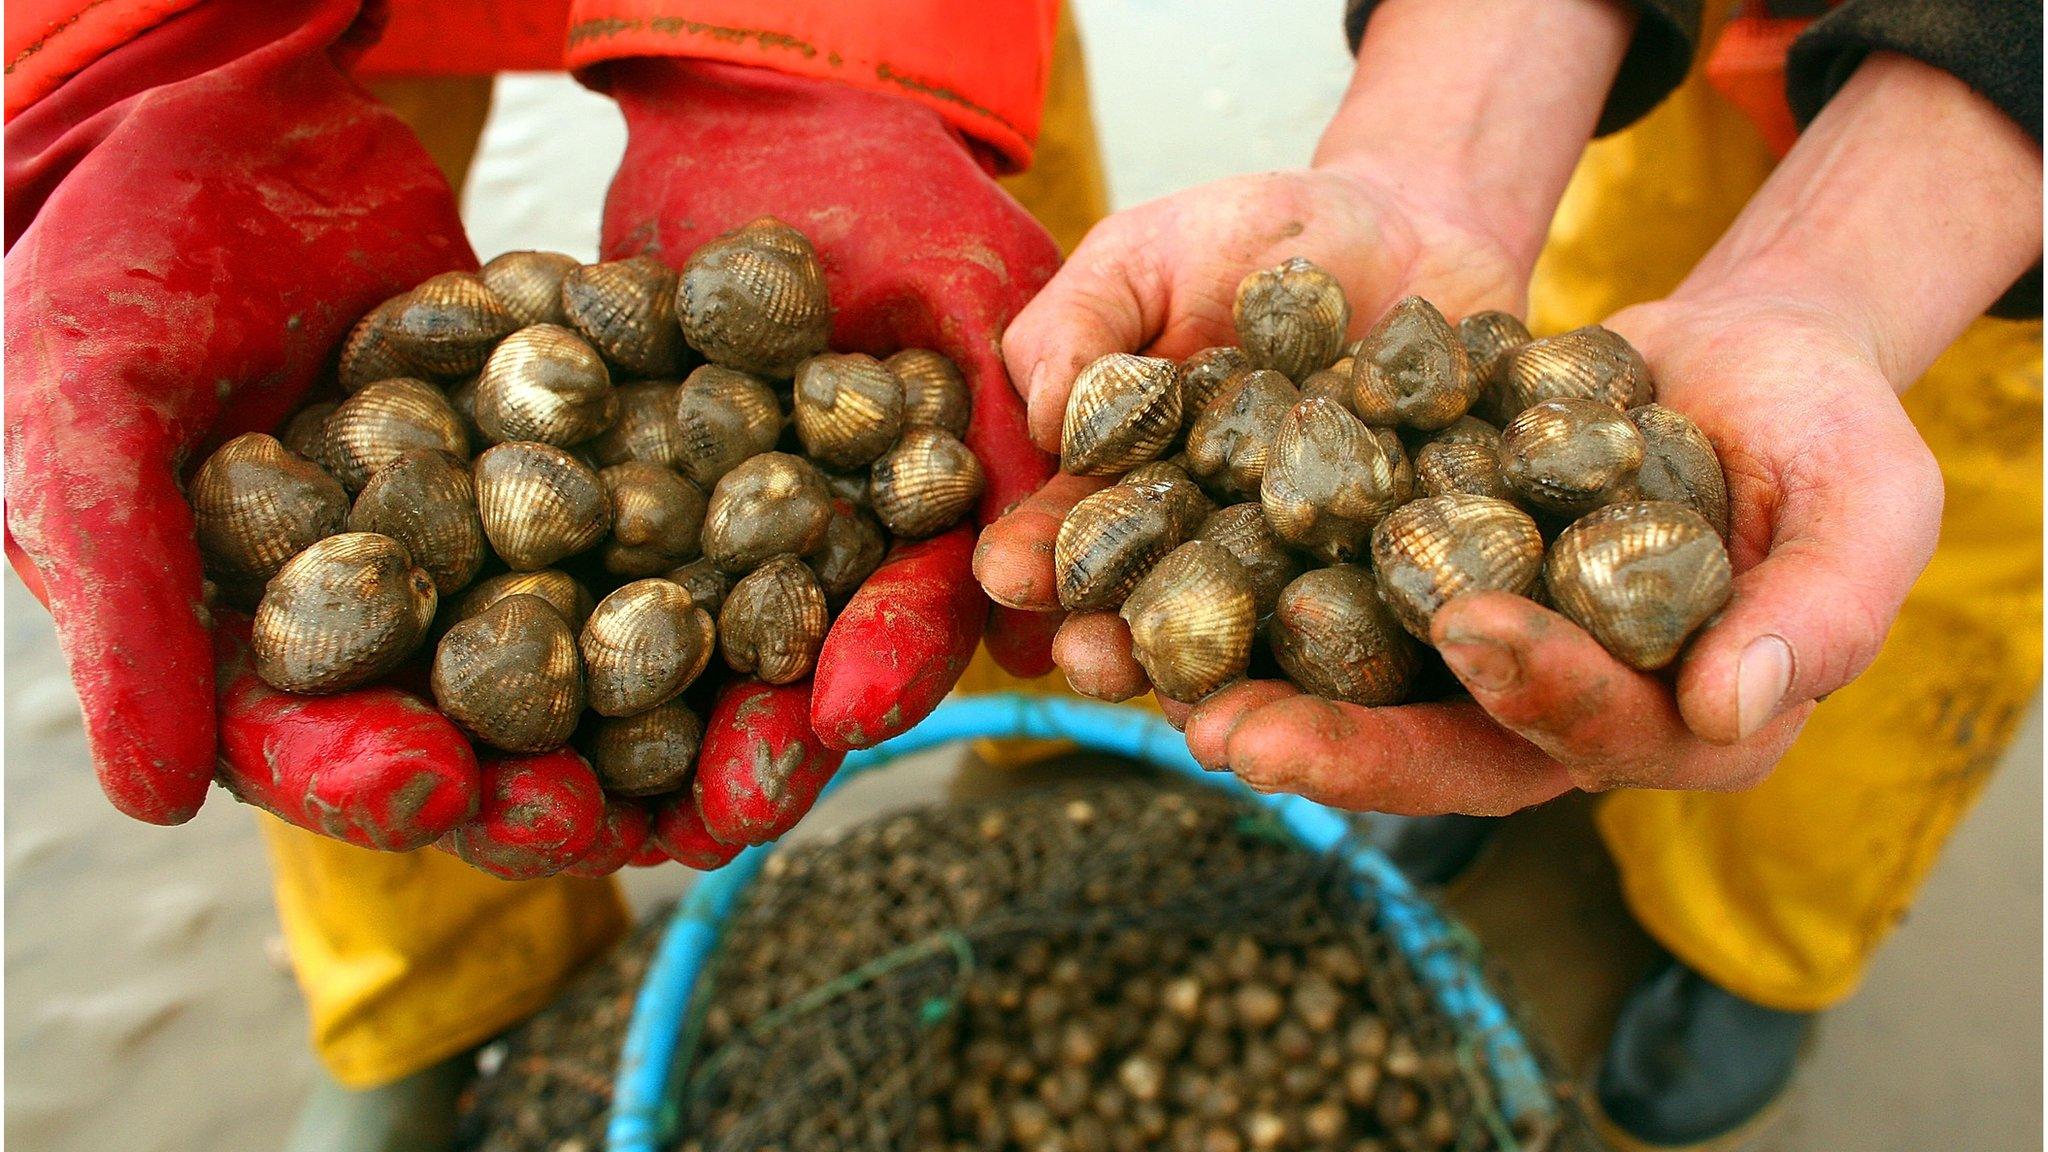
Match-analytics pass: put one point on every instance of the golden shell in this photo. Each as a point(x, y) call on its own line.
point(545, 384)
point(1204, 375)
point(1228, 443)
point(1590, 363)
point(306, 432)
point(255, 505)
point(1444, 546)
point(529, 284)
point(1488, 337)
point(561, 591)
point(343, 612)
point(626, 309)
point(1193, 618)
point(848, 408)
point(1123, 411)
point(1109, 540)
point(1190, 504)
point(1330, 479)
point(643, 645)
point(384, 421)
point(721, 418)
point(426, 501)
point(1641, 577)
point(706, 583)
point(368, 355)
point(1334, 637)
point(510, 675)
point(934, 392)
point(448, 324)
point(1291, 318)
point(755, 299)
point(656, 518)
point(647, 754)
point(851, 487)
point(1680, 465)
point(645, 428)
point(1412, 370)
point(462, 398)
point(1242, 531)
point(925, 484)
point(771, 504)
point(1332, 384)
point(853, 549)
point(773, 622)
point(1569, 456)
point(539, 503)
point(1464, 457)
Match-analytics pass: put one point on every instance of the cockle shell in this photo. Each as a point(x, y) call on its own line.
point(721, 418)
point(771, 504)
point(773, 622)
point(934, 392)
point(426, 501)
point(649, 753)
point(656, 518)
point(510, 675)
point(539, 503)
point(1332, 384)
point(1590, 363)
point(1109, 540)
point(643, 645)
point(1123, 411)
point(1291, 318)
point(1569, 456)
point(848, 408)
point(1641, 577)
point(755, 299)
point(255, 505)
point(384, 421)
point(448, 324)
point(707, 583)
point(626, 309)
point(529, 284)
point(462, 398)
point(1192, 619)
point(343, 612)
point(1333, 636)
point(1329, 479)
point(849, 486)
point(1444, 546)
point(1680, 465)
point(1190, 504)
point(1412, 370)
point(1242, 531)
point(306, 432)
point(1488, 337)
point(547, 384)
point(1464, 457)
point(1204, 375)
point(645, 428)
point(925, 484)
point(368, 355)
point(1229, 442)
point(560, 590)
point(853, 549)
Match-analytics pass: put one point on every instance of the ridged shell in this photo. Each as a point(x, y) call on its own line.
point(529, 284)
point(1333, 636)
point(1680, 464)
point(755, 299)
point(1291, 318)
point(934, 392)
point(368, 355)
point(853, 549)
point(848, 408)
point(1193, 619)
point(462, 398)
point(722, 417)
point(643, 645)
point(306, 432)
point(256, 505)
point(1590, 363)
point(426, 501)
point(1204, 375)
point(849, 486)
point(1123, 411)
point(539, 503)
point(1242, 531)
point(384, 421)
point(448, 324)
point(626, 309)
point(1412, 370)
point(545, 383)
point(510, 675)
point(647, 754)
point(1444, 546)
point(707, 584)
point(1229, 442)
point(1568, 457)
point(925, 484)
point(1332, 384)
point(1330, 479)
point(645, 428)
point(1641, 577)
point(1488, 337)
point(1190, 504)
point(771, 504)
point(657, 517)
point(773, 622)
point(1109, 540)
point(1464, 457)
point(560, 590)
point(343, 612)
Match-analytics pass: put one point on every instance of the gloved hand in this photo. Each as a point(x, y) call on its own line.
point(201, 216)
point(921, 248)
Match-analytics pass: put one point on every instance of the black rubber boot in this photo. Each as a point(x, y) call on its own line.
point(1691, 1066)
point(1432, 851)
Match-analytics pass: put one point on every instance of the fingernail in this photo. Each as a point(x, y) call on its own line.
point(1483, 664)
point(1761, 681)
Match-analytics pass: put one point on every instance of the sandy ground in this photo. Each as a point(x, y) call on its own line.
point(147, 1009)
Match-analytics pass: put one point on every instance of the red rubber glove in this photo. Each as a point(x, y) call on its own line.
point(921, 249)
point(195, 220)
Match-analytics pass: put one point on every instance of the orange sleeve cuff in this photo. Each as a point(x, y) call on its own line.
point(982, 66)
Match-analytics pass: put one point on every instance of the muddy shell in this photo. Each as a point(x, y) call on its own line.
point(384, 421)
point(626, 309)
point(657, 517)
point(755, 299)
point(848, 408)
point(773, 622)
point(426, 501)
point(1333, 636)
point(924, 485)
point(722, 417)
point(1641, 577)
point(1445, 546)
point(1192, 619)
point(510, 675)
point(563, 592)
point(1191, 505)
point(546, 384)
point(529, 284)
point(306, 432)
point(1464, 457)
point(1109, 540)
point(853, 548)
point(448, 324)
point(642, 646)
point(1292, 318)
point(1567, 457)
point(771, 504)
point(539, 503)
point(1412, 370)
point(934, 392)
point(1123, 411)
point(368, 354)
point(255, 505)
point(1488, 337)
point(1680, 465)
point(1330, 479)
point(1204, 375)
point(344, 612)
point(1228, 443)
point(1242, 531)
point(1590, 363)
point(706, 583)
point(646, 754)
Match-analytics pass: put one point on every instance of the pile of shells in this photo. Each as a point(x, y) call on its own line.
point(535, 469)
point(1327, 499)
